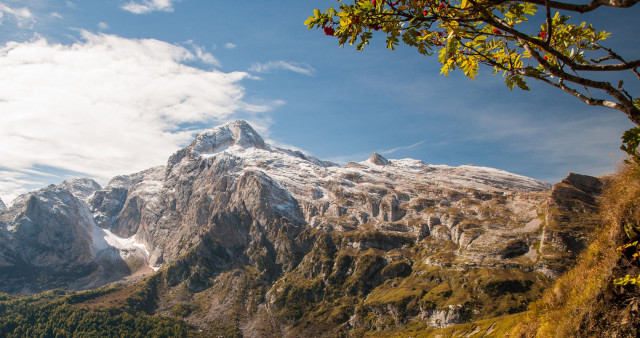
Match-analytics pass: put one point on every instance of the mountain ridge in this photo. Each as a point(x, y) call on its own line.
point(289, 236)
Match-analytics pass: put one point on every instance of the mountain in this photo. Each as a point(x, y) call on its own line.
point(270, 241)
point(50, 240)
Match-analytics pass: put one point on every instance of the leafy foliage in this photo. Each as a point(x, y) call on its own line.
point(630, 143)
point(468, 33)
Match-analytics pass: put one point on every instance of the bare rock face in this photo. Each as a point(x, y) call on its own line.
point(49, 239)
point(378, 159)
point(2, 206)
point(571, 216)
point(121, 195)
point(47, 236)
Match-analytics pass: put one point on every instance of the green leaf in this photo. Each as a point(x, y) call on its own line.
point(392, 41)
point(516, 80)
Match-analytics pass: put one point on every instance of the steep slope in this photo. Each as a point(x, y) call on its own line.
point(49, 240)
point(44, 229)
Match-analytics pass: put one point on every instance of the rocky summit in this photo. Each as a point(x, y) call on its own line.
point(271, 241)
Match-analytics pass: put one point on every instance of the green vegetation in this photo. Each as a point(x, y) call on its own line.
point(630, 144)
point(105, 312)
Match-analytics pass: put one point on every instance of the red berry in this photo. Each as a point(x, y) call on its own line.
point(373, 2)
point(441, 5)
point(425, 12)
point(543, 34)
point(545, 57)
point(375, 27)
point(329, 31)
point(497, 31)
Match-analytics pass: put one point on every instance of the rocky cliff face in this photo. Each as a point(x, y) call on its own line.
point(570, 217)
point(46, 235)
point(49, 239)
point(273, 241)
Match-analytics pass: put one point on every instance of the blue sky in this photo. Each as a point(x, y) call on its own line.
point(100, 88)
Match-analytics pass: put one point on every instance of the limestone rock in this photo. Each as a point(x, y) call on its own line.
point(571, 216)
point(378, 159)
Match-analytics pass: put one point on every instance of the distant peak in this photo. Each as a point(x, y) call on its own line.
point(81, 188)
point(238, 132)
point(378, 159)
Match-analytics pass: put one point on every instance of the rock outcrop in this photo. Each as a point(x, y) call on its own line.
point(571, 215)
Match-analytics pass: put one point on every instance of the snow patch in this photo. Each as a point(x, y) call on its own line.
point(104, 239)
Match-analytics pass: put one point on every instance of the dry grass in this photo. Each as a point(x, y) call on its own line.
point(565, 309)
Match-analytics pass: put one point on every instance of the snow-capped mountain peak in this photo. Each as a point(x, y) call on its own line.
point(238, 133)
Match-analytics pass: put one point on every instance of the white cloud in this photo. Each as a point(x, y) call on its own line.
point(393, 150)
point(106, 105)
point(203, 56)
point(230, 45)
point(23, 16)
point(103, 25)
point(301, 68)
point(147, 6)
point(56, 15)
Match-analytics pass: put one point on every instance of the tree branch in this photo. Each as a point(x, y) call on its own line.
point(582, 8)
point(624, 104)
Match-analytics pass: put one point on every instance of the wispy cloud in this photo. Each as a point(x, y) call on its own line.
point(230, 45)
point(147, 6)
point(300, 68)
point(14, 183)
point(202, 55)
point(393, 150)
point(106, 105)
point(103, 25)
point(23, 16)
